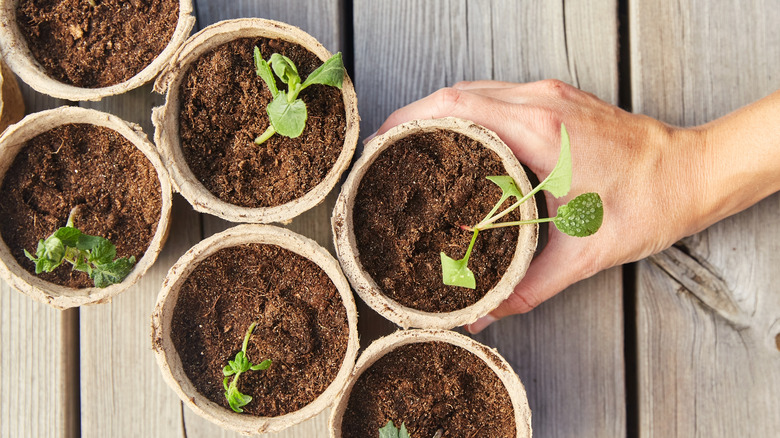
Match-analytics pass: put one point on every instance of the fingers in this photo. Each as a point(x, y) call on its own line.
point(471, 85)
point(443, 103)
point(547, 275)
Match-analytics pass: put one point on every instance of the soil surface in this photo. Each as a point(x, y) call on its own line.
point(223, 109)
point(96, 46)
point(430, 386)
point(92, 167)
point(301, 326)
point(409, 208)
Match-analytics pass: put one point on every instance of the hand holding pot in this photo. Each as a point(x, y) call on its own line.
point(658, 183)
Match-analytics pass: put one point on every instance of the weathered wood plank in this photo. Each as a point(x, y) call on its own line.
point(36, 400)
point(126, 395)
point(323, 19)
point(571, 348)
point(708, 312)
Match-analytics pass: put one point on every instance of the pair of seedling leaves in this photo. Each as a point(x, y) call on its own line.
point(94, 255)
point(240, 364)
point(286, 112)
point(390, 431)
point(581, 217)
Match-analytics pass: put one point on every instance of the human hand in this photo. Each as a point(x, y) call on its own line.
point(648, 174)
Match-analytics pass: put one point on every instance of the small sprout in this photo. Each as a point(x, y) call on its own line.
point(390, 431)
point(287, 113)
point(581, 217)
point(240, 364)
point(94, 255)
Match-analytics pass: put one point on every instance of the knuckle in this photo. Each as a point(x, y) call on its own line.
point(523, 301)
point(462, 84)
point(555, 88)
point(447, 99)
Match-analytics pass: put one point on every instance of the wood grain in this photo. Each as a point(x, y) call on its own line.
point(122, 391)
point(569, 351)
point(37, 352)
point(708, 311)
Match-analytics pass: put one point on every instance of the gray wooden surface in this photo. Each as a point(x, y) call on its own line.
point(707, 313)
point(570, 348)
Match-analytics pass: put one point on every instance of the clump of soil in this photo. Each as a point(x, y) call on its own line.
point(301, 326)
point(409, 208)
point(430, 386)
point(92, 167)
point(223, 109)
point(96, 46)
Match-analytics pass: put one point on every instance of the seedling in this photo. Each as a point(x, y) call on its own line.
point(581, 217)
point(286, 112)
point(240, 364)
point(94, 255)
point(390, 431)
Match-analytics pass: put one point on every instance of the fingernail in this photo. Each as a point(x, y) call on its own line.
point(369, 138)
point(480, 324)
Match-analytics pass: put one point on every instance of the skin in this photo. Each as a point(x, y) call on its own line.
point(659, 183)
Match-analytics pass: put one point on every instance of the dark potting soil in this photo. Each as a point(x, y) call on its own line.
point(301, 326)
point(430, 386)
point(96, 46)
point(223, 109)
point(92, 167)
point(410, 206)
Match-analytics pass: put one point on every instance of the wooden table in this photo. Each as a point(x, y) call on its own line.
point(684, 344)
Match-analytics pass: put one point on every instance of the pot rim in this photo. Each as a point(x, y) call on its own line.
point(490, 356)
point(62, 297)
point(166, 121)
point(11, 102)
point(14, 49)
point(347, 249)
point(168, 358)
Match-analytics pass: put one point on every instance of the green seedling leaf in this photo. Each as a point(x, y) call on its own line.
point(91, 254)
point(240, 364)
point(103, 253)
point(457, 272)
point(88, 243)
point(264, 71)
point(390, 431)
point(507, 185)
point(111, 273)
point(236, 399)
point(262, 366)
point(330, 73)
point(287, 118)
point(68, 235)
point(582, 216)
point(285, 69)
point(558, 182)
point(287, 114)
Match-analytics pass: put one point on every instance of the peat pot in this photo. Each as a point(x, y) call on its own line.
point(95, 166)
point(405, 202)
point(215, 108)
point(432, 381)
point(283, 289)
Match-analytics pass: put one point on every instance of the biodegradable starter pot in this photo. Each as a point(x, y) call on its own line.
point(343, 224)
point(519, 410)
point(14, 49)
point(208, 253)
point(14, 139)
point(167, 121)
point(11, 103)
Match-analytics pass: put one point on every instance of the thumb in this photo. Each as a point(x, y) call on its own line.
point(543, 280)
